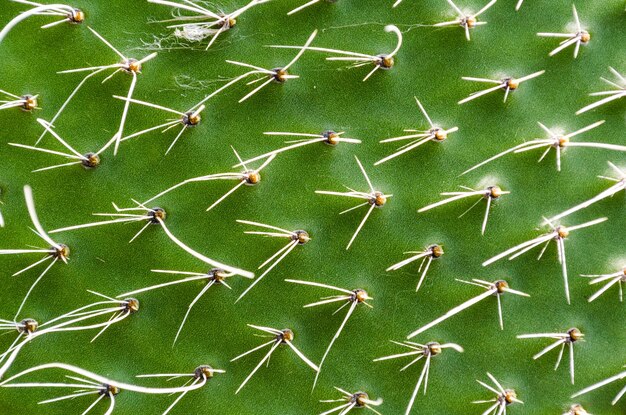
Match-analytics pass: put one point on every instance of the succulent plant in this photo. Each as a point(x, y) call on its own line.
point(198, 103)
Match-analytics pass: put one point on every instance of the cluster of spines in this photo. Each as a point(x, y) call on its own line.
point(375, 198)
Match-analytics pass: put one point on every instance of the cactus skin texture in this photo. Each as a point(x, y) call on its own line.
point(429, 65)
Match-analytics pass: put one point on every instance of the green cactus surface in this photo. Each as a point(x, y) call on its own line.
point(326, 96)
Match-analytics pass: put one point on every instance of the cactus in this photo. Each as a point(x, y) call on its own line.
point(405, 54)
